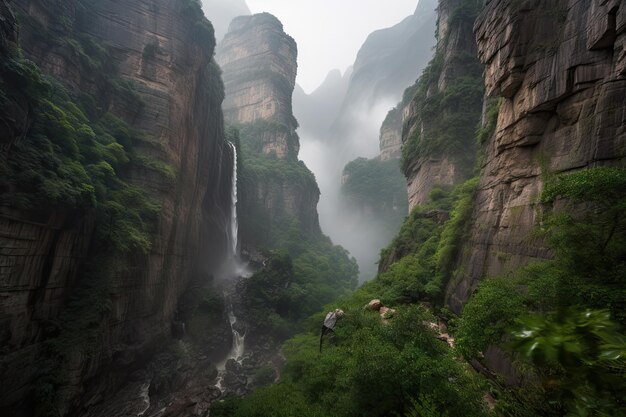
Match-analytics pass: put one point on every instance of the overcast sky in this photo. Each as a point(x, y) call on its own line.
point(329, 33)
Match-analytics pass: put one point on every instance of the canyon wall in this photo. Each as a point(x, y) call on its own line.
point(156, 77)
point(259, 64)
point(390, 139)
point(559, 68)
point(442, 110)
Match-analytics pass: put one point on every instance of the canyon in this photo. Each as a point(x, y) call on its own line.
point(156, 218)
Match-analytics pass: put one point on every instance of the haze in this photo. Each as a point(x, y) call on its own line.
point(335, 44)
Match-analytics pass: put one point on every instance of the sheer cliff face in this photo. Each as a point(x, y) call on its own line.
point(390, 139)
point(259, 64)
point(154, 46)
point(440, 118)
point(560, 67)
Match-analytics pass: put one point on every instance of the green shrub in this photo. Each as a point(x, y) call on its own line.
point(369, 369)
point(554, 305)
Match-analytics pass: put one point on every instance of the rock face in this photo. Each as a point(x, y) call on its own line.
point(259, 63)
point(391, 135)
point(560, 68)
point(438, 132)
point(155, 47)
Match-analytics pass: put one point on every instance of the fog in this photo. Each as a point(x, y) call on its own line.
point(355, 228)
point(329, 33)
point(221, 12)
point(340, 118)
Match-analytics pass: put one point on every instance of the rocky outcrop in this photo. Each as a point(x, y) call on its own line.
point(441, 111)
point(391, 135)
point(163, 50)
point(258, 60)
point(560, 68)
point(259, 64)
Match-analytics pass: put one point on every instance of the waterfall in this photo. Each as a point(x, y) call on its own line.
point(236, 270)
point(234, 226)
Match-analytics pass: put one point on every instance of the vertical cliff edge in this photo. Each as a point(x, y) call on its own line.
point(301, 270)
point(259, 64)
point(560, 71)
point(116, 184)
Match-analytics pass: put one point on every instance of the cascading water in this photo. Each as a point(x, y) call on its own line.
point(236, 269)
point(234, 225)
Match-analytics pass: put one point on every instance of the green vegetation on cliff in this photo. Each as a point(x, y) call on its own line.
point(277, 215)
point(420, 260)
point(379, 186)
point(564, 315)
point(448, 115)
point(70, 160)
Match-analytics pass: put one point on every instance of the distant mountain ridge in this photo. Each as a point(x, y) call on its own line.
point(317, 111)
point(389, 60)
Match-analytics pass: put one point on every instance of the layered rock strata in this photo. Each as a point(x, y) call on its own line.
point(560, 69)
point(259, 64)
point(164, 50)
point(390, 140)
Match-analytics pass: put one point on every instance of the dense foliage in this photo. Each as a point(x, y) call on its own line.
point(567, 312)
point(304, 269)
point(420, 260)
point(378, 185)
point(70, 160)
point(370, 368)
point(448, 116)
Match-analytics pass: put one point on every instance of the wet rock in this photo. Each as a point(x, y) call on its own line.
point(240, 327)
point(233, 366)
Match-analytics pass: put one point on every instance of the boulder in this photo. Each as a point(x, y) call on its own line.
point(374, 305)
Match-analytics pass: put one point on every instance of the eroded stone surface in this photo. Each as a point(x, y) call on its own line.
point(41, 253)
point(559, 67)
point(259, 64)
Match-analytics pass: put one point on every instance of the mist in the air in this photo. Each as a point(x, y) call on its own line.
point(356, 228)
